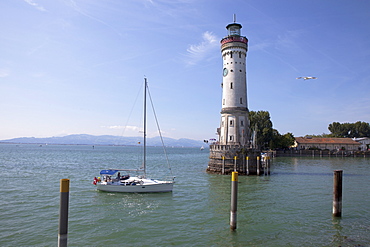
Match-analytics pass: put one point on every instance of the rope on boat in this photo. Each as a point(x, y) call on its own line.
point(160, 133)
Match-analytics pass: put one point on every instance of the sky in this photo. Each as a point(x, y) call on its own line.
point(78, 66)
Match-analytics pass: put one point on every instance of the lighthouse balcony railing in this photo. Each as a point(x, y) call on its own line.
point(234, 39)
point(226, 147)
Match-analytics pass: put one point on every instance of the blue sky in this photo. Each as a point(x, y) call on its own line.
point(77, 67)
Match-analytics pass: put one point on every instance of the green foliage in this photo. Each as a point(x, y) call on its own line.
point(349, 130)
point(260, 122)
point(267, 137)
point(281, 141)
point(323, 135)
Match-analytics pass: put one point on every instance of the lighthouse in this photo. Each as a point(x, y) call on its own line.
point(233, 150)
point(234, 127)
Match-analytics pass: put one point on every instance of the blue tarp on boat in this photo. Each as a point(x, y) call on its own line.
point(108, 172)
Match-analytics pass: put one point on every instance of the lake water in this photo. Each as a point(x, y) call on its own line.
point(291, 207)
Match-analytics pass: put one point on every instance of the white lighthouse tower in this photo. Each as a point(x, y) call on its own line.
point(233, 151)
point(234, 127)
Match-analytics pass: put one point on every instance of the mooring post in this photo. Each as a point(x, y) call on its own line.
point(337, 193)
point(247, 165)
point(234, 200)
point(63, 213)
point(223, 165)
point(258, 165)
point(234, 163)
point(243, 165)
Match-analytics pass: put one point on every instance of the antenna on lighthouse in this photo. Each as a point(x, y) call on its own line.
point(234, 18)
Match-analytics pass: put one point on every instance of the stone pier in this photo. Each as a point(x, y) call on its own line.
point(224, 159)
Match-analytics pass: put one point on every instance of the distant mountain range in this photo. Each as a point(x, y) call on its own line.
point(84, 139)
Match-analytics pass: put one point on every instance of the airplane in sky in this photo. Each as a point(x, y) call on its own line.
point(306, 77)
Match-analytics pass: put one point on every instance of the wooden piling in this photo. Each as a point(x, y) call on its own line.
point(223, 165)
point(63, 213)
point(243, 164)
point(258, 165)
point(337, 193)
point(234, 200)
point(235, 164)
point(247, 165)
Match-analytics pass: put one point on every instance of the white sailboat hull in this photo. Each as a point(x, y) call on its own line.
point(141, 186)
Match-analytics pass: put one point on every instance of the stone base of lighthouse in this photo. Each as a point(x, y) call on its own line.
point(224, 159)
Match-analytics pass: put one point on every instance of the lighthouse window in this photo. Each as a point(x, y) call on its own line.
point(231, 70)
point(240, 55)
point(223, 101)
point(242, 123)
point(231, 123)
point(231, 138)
point(231, 85)
point(241, 100)
point(231, 55)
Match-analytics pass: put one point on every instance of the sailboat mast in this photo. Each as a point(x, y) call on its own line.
point(144, 161)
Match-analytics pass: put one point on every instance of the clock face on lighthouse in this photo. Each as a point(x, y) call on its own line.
point(225, 72)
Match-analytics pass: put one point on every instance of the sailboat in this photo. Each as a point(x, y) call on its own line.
point(120, 180)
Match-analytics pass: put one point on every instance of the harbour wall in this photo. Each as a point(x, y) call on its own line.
point(319, 153)
point(224, 159)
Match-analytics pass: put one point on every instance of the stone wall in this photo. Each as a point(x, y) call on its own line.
point(321, 153)
point(224, 159)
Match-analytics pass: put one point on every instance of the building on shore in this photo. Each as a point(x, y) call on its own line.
point(234, 151)
point(365, 143)
point(349, 144)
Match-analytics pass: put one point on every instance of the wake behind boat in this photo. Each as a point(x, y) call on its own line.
point(112, 180)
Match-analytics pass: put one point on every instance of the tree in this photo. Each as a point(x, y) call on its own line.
point(287, 140)
point(349, 130)
point(261, 123)
point(281, 141)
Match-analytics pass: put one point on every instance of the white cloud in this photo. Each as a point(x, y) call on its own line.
point(4, 73)
point(37, 6)
point(198, 52)
point(129, 128)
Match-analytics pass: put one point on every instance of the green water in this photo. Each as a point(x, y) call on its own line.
point(292, 207)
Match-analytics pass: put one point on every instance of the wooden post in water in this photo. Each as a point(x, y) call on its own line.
point(247, 165)
point(337, 193)
point(63, 213)
point(258, 165)
point(243, 164)
point(235, 164)
point(234, 200)
point(223, 165)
